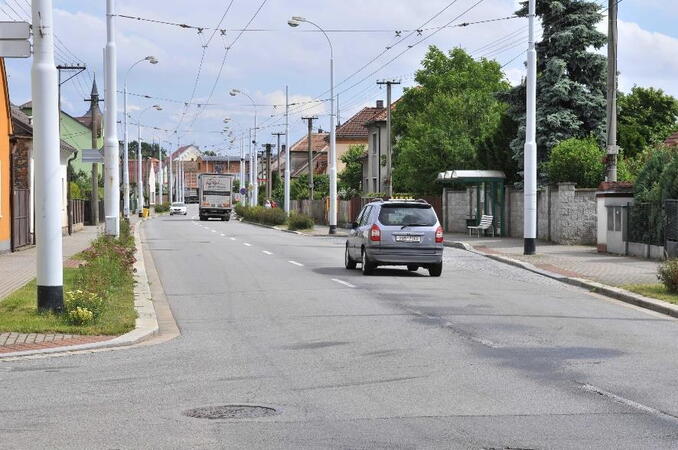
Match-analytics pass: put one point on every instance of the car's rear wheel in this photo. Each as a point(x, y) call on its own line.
point(412, 267)
point(203, 218)
point(349, 262)
point(367, 266)
point(228, 217)
point(435, 269)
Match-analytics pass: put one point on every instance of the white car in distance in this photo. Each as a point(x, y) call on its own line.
point(178, 208)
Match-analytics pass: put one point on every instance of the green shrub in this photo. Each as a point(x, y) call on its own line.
point(259, 214)
point(300, 222)
point(240, 209)
point(668, 274)
point(79, 316)
point(578, 161)
point(162, 208)
point(82, 300)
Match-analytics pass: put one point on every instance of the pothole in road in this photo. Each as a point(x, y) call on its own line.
point(231, 412)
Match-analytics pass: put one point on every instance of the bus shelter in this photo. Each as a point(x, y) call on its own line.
point(489, 193)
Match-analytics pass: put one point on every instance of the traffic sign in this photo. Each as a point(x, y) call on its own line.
point(14, 41)
point(243, 191)
point(15, 30)
point(92, 155)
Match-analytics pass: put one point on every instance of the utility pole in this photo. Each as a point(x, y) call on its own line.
point(287, 151)
point(44, 90)
point(160, 176)
point(530, 151)
point(310, 154)
point(242, 164)
point(389, 153)
point(111, 145)
point(278, 134)
point(94, 127)
point(338, 114)
point(612, 149)
point(140, 174)
point(269, 171)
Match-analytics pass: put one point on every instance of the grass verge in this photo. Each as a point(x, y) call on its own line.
point(107, 272)
point(656, 290)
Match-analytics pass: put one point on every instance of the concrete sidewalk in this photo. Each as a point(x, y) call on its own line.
point(18, 268)
point(575, 261)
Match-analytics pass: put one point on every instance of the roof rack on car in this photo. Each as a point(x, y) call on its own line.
point(376, 199)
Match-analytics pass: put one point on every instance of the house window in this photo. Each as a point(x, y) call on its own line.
point(374, 185)
point(374, 143)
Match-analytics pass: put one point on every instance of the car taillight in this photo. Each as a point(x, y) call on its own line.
point(439, 235)
point(375, 233)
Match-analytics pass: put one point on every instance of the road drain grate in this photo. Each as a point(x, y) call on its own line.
point(231, 412)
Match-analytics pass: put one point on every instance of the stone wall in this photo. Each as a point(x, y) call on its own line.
point(565, 215)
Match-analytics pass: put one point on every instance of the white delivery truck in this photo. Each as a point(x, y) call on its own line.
point(215, 197)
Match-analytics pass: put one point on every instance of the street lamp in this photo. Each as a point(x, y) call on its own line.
point(140, 177)
point(253, 142)
point(152, 60)
point(295, 21)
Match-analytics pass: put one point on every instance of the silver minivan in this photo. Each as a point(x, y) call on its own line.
point(396, 233)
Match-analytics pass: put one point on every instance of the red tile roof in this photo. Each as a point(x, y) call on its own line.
point(672, 140)
point(318, 143)
point(381, 115)
point(354, 128)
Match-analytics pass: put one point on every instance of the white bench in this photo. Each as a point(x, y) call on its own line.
point(485, 224)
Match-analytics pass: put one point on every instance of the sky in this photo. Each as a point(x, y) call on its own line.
point(371, 39)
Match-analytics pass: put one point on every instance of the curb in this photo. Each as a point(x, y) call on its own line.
point(146, 324)
point(593, 286)
point(284, 230)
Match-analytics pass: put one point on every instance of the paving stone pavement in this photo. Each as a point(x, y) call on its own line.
point(577, 261)
point(16, 342)
point(17, 269)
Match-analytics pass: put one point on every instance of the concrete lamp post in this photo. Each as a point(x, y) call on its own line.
point(253, 143)
point(140, 173)
point(125, 169)
point(295, 21)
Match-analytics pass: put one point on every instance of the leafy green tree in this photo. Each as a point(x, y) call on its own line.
point(442, 123)
point(299, 187)
point(147, 150)
point(209, 153)
point(352, 175)
point(494, 153)
point(647, 116)
point(571, 85)
point(576, 160)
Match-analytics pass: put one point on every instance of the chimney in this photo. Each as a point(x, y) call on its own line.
point(380, 104)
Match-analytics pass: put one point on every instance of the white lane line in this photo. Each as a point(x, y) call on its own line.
point(345, 283)
point(213, 231)
point(222, 235)
point(247, 244)
point(296, 263)
point(233, 239)
point(266, 252)
point(629, 403)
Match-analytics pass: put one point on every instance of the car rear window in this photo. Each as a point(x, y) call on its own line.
point(421, 215)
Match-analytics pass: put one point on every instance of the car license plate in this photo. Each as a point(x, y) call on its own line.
point(408, 238)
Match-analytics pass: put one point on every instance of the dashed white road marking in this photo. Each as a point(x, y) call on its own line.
point(247, 244)
point(266, 252)
point(233, 239)
point(213, 231)
point(345, 283)
point(296, 263)
point(630, 403)
point(222, 235)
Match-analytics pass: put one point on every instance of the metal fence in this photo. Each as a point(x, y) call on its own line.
point(645, 224)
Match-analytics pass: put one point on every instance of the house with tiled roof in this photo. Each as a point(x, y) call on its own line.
point(354, 131)
point(672, 141)
point(299, 154)
point(375, 170)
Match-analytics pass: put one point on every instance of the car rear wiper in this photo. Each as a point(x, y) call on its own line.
point(415, 225)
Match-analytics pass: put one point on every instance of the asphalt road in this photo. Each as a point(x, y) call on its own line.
point(486, 356)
